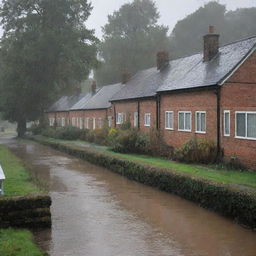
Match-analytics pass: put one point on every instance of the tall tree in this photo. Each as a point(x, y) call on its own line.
point(45, 49)
point(130, 41)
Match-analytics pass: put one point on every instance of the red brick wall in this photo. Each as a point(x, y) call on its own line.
point(238, 97)
point(60, 115)
point(190, 101)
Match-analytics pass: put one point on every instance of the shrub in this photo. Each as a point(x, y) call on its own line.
point(126, 125)
point(68, 133)
point(49, 132)
point(234, 163)
point(197, 151)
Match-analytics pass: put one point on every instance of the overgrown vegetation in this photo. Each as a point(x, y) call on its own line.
point(19, 181)
point(18, 243)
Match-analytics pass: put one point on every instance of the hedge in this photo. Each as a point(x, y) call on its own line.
point(224, 199)
point(28, 211)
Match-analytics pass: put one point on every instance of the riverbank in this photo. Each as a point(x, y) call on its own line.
point(25, 204)
point(216, 190)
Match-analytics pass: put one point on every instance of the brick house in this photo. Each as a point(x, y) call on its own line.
point(212, 95)
point(58, 113)
point(98, 110)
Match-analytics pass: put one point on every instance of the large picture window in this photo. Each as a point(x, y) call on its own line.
point(246, 125)
point(185, 121)
point(169, 120)
point(200, 121)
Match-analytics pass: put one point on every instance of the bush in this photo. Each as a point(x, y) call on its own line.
point(64, 133)
point(49, 132)
point(197, 151)
point(234, 163)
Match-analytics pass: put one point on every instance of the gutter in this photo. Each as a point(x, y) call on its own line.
point(218, 97)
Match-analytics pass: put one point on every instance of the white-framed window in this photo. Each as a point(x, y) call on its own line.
point(200, 121)
point(86, 122)
point(226, 123)
point(81, 123)
point(246, 125)
point(100, 122)
point(185, 121)
point(109, 121)
point(73, 121)
point(147, 118)
point(63, 121)
point(120, 118)
point(58, 121)
point(169, 120)
point(94, 123)
point(77, 122)
point(51, 121)
point(135, 119)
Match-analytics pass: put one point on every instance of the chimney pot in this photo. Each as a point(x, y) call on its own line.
point(162, 59)
point(211, 44)
point(126, 76)
point(93, 87)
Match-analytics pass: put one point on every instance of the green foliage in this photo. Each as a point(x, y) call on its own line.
point(234, 163)
point(18, 243)
point(187, 36)
point(197, 151)
point(45, 50)
point(132, 38)
point(65, 133)
point(18, 181)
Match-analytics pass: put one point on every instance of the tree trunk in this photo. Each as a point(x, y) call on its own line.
point(21, 128)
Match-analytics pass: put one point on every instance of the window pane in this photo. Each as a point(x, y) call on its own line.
point(181, 121)
point(198, 125)
point(240, 124)
point(170, 120)
point(227, 123)
point(187, 121)
point(166, 120)
point(251, 125)
point(203, 122)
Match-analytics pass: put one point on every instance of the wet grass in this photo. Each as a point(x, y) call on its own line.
point(218, 174)
point(19, 181)
point(18, 243)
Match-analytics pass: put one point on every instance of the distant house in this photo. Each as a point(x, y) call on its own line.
point(58, 113)
point(98, 109)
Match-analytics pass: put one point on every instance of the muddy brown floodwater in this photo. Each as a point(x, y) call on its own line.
point(98, 213)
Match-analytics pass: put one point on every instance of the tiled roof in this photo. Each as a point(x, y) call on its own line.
point(101, 99)
point(82, 102)
point(188, 72)
point(65, 103)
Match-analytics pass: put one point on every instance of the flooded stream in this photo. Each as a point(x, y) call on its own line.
point(98, 213)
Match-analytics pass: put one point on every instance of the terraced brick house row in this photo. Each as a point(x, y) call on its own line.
point(209, 95)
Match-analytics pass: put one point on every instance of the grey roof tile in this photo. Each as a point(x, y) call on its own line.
point(101, 99)
point(82, 102)
point(65, 103)
point(188, 72)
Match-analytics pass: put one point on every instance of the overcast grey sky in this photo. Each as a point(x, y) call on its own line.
point(170, 10)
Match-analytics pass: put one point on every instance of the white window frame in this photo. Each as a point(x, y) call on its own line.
point(51, 121)
point(73, 121)
point(246, 113)
point(200, 112)
point(224, 122)
point(135, 119)
point(81, 123)
point(147, 119)
point(87, 122)
point(109, 121)
point(100, 122)
point(172, 121)
point(63, 121)
point(94, 123)
point(184, 112)
point(120, 118)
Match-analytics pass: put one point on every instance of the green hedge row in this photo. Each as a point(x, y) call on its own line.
point(30, 211)
point(224, 199)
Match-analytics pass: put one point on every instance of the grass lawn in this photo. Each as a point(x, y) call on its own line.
point(19, 181)
point(212, 173)
point(18, 243)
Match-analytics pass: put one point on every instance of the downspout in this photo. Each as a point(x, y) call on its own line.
point(158, 111)
point(114, 115)
point(138, 110)
point(217, 92)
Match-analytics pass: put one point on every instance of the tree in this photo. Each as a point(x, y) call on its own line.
point(131, 40)
point(45, 49)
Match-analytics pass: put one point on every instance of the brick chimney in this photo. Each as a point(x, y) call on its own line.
point(126, 76)
point(162, 59)
point(211, 44)
point(93, 87)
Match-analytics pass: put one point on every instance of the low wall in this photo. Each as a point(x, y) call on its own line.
point(27, 212)
point(225, 199)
